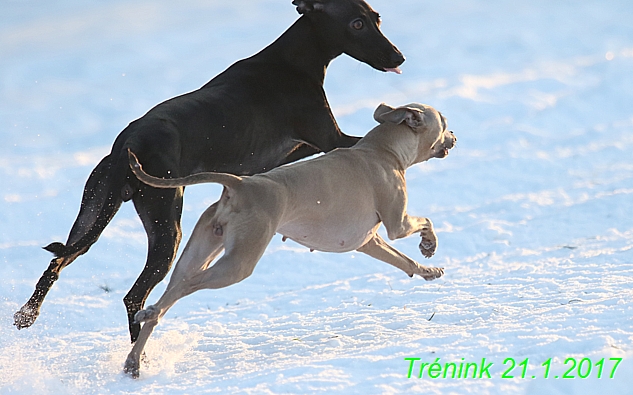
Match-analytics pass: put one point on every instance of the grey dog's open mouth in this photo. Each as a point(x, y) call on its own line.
point(446, 146)
point(443, 153)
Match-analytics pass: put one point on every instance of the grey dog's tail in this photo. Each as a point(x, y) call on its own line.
point(228, 180)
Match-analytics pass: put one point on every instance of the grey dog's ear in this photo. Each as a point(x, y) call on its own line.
point(382, 109)
point(307, 6)
point(412, 116)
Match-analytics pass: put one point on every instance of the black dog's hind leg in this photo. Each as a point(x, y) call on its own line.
point(95, 196)
point(26, 316)
point(160, 211)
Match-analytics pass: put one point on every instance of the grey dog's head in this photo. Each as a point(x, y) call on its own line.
point(427, 122)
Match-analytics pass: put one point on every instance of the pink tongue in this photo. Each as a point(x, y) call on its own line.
point(395, 70)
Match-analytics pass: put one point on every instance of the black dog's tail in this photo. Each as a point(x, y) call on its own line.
point(105, 191)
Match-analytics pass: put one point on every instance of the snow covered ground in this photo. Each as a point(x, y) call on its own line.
point(533, 208)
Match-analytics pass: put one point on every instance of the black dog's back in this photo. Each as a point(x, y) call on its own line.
point(261, 112)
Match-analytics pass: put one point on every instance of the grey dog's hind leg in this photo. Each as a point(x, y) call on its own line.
point(244, 248)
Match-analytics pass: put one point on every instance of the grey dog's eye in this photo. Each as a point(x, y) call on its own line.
point(358, 24)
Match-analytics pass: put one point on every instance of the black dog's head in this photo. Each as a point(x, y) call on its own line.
point(352, 27)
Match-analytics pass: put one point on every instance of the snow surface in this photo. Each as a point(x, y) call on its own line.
point(533, 208)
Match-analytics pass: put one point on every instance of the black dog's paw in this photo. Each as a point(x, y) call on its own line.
point(25, 317)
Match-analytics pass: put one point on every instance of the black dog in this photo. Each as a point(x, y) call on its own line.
point(261, 112)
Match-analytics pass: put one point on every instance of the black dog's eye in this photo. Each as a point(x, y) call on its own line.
point(358, 24)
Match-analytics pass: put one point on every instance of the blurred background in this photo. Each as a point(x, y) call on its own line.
point(532, 208)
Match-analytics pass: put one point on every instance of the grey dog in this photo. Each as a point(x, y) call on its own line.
point(333, 203)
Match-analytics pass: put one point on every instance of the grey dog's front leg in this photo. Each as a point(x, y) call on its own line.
point(379, 249)
point(428, 244)
point(406, 225)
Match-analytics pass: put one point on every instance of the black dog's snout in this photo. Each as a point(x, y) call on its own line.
point(397, 57)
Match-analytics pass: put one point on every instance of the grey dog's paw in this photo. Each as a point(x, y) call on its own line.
point(427, 273)
point(131, 367)
point(428, 244)
point(150, 313)
point(432, 273)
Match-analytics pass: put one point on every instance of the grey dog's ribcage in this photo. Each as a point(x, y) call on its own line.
point(320, 234)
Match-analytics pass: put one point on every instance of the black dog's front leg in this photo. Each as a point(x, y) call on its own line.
point(303, 151)
point(346, 141)
point(324, 142)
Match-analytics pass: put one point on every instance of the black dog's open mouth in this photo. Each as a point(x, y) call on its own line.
point(393, 70)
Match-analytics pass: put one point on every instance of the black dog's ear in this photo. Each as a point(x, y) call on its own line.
point(307, 6)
